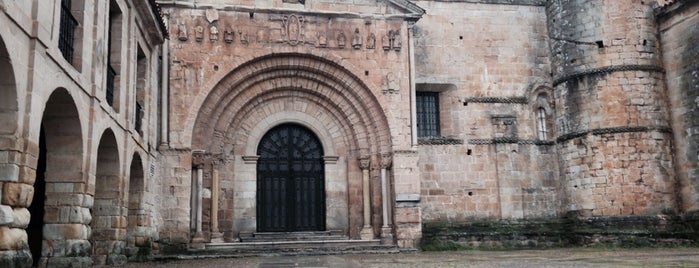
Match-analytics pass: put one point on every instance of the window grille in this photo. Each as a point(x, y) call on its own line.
point(541, 124)
point(67, 31)
point(111, 75)
point(427, 114)
point(139, 113)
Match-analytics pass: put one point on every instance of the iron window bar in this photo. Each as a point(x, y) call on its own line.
point(67, 31)
point(111, 75)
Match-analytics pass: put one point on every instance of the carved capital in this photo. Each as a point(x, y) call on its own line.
point(386, 160)
point(364, 162)
point(198, 158)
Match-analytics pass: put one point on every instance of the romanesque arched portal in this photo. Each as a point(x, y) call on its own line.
point(311, 92)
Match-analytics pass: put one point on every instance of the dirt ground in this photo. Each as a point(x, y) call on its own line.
point(568, 257)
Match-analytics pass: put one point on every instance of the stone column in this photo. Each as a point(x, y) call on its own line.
point(198, 165)
point(386, 232)
point(216, 236)
point(367, 232)
point(165, 79)
point(413, 104)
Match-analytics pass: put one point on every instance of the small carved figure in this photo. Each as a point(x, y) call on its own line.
point(371, 41)
point(397, 43)
point(182, 32)
point(357, 39)
point(322, 40)
point(213, 33)
point(228, 35)
point(243, 37)
point(341, 40)
point(198, 33)
point(385, 42)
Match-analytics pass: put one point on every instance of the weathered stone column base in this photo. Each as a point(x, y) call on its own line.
point(408, 226)
point(367, 233)
point(386, 236)
point(217, 237)
point(15, 258)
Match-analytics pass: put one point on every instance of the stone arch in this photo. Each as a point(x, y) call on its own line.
point(8, 97)
point(60, 213)
point(293, 88)
point(292, 75)
point(108, 228)
point(138, 219)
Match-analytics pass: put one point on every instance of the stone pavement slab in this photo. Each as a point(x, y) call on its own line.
point(568, 257)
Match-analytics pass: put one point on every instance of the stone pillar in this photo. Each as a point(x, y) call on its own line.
point(198, 166)
point(367, 232)
point(613, 134)
point(413, 102)
point(165, 80)
point(216, 236)
point(386, 232)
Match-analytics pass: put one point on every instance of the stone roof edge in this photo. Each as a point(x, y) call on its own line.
point(665, 7)
point(414, 11)
point(152, 16)
point(409, 6)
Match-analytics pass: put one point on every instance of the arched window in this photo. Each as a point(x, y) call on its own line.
point(543, 115)
point(541, 123)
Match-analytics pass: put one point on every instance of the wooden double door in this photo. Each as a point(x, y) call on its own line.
point(290, 181)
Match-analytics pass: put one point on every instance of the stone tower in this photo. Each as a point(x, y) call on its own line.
point(613, 130)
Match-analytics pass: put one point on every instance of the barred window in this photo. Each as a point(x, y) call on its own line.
point(541, 123)
point(114, 32)
point(67, 31)
point(427, 114)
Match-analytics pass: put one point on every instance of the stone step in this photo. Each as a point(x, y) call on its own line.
point(292, 236)
point(277, 248)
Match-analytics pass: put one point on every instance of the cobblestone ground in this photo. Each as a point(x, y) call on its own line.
point(573, 257)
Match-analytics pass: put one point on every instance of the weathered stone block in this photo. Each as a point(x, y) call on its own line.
point(12, 238)
point(15, 259)
point(17, 194)
point(65, 231)
point(6, 215)
point(21, 218)
point(9, 172)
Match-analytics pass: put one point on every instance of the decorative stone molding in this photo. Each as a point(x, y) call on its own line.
point(330, 159)
point(250, 159)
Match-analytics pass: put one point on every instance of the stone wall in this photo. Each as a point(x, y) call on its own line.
point(63, 148)
point(613, 136)
point(488, 61)
point(679, 28)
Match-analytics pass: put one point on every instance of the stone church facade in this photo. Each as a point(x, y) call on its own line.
point(162, 127)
